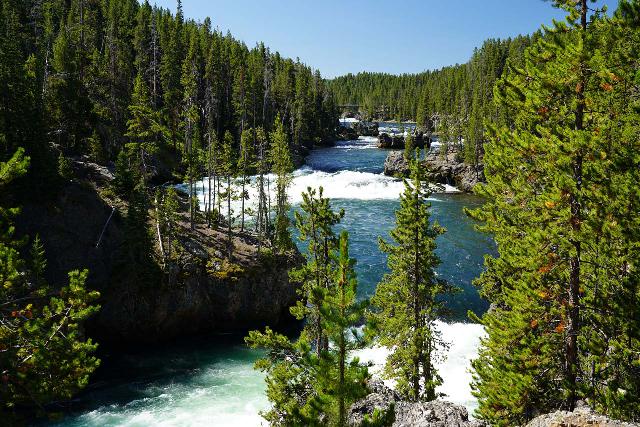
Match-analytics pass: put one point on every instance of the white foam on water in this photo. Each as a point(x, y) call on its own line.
point(230, 395)
point(345, 184)
point(464, 339)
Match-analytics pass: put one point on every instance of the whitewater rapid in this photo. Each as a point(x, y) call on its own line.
point(345, 184)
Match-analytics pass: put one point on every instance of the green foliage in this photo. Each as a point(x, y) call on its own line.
point(343, 378)
point(43, 352)
point(409, 146)
point(562, 204)
point(408, 301)
point(380, 418)
point(64, 167)
point(315, 221)
point(124, 177)
point(167, 216)
point(315, 386)
point(282, 166)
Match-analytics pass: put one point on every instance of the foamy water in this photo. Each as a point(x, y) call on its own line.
point(346, 184)
point(454, 368)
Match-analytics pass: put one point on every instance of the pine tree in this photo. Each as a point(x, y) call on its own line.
point(315, 222)
point(564, 236)
point(228, 172)
point(167, 207)
point(246, 161)
point(191, 117)
point(408, 301)
point(307, 388)
point(262, 166)
point(409, 146)
point(342, 378)
point(43, 353)
point(144, 128)
point(282, 167)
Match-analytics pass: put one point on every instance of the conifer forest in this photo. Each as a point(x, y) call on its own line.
point(196, 229)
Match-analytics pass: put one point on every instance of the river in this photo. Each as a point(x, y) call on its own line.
point(210, 381)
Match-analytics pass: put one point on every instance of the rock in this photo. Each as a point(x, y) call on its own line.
point(437, 413)
point(366, 128)
point(396, 165)
point(447, 170)
point(396, 141)
point(581, 417)
point(390, 141)
point(347, 134)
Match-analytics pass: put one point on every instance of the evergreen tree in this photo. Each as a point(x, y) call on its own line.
point(282, 167)
point(246, 161)
point(315, 222)
point(342, 378)
point(43, 353)
point(145, 129)
point(262, 166)
point(307, 388)
point(228, 172)
point(561, 287)
point(409, 146)
point(408, 301)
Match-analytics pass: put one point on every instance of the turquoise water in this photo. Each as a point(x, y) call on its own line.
point(211, 381)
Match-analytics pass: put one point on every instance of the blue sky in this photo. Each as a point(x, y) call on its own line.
point(395, 36)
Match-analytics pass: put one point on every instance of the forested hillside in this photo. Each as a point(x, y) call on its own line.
point(454, 100)
point(155, 98)
point(69, 82)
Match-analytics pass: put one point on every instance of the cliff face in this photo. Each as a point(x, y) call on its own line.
point(199, 292)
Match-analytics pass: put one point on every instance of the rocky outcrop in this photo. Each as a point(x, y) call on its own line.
point(581, 417)
point(387, 141)
point(347, 134)
point(366, 128)
point(397, 141)
point(398, 413)
point(448, 170)
point(84, 227)
point(396, 164)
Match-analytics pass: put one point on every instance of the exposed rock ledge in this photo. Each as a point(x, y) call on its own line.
point(437, 413)
point(200, 293)
point(581, 417)
point(443, 171)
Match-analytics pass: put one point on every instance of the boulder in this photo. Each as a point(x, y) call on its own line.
point(397, 141)
point(347, 134)
point(396, 165)
point(367, 128)
point(386, 140)
point(448, 170)
point(583, 416)
point(399, 413)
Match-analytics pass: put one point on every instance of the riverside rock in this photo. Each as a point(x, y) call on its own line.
point(436, 413)
point(397, 141)
point(448, 170)
point(581, 417)
point(346, 134)
point(201, 292)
